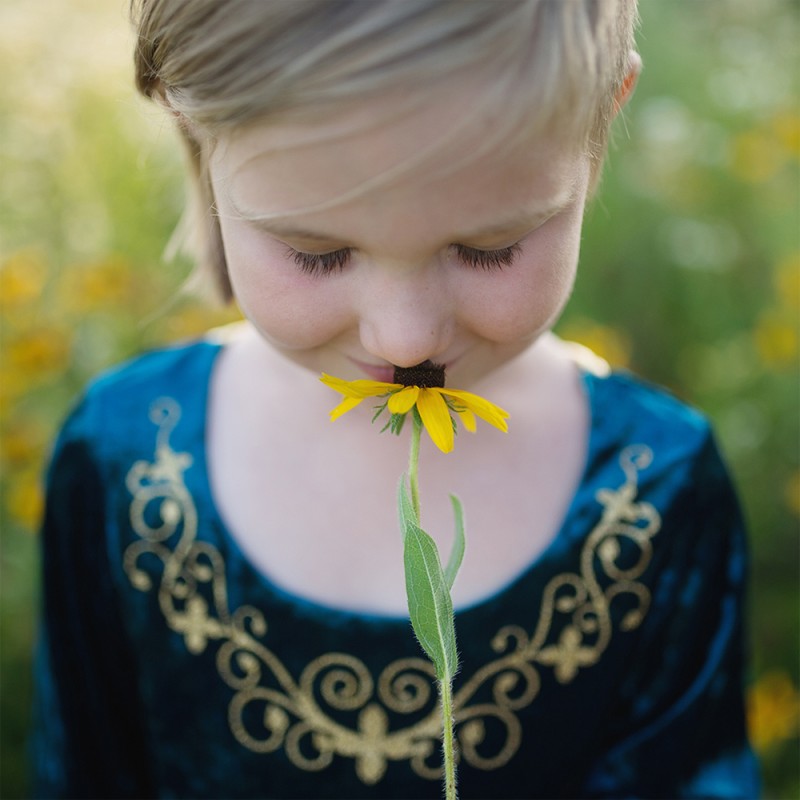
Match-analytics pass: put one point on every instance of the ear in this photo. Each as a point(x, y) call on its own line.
point(629, 82)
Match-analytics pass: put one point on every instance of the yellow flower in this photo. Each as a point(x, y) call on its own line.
point(22, 279)
point(773, 710)
point(606, 342)
point(24, 500)
point(433, 403)
point(776, 338)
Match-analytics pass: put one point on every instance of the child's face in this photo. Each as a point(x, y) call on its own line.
point(461, 260)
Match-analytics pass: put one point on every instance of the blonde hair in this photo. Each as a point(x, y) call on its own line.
point(222, 64)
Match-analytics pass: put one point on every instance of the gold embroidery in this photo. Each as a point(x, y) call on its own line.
point(573, 631)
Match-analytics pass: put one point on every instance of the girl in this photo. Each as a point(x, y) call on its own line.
point(378, 184)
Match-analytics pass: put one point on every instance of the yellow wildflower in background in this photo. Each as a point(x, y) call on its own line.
point(433, 403)
point(22, 279)
point(792, 493)
point(773, 710)
point(787, 131)
point(787, 282)
point(23, 442)
point(777, 330)
point(776, 338)
point(105, 284)
point(192, 318)
point(39, 352)
point(24, 498)
point(754, 157)
point(609, 343)
point(757, 155)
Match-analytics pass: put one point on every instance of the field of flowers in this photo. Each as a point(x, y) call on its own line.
point(690, 275)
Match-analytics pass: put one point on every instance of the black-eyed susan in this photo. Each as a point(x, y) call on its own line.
point(420, 391)
point(420, 388)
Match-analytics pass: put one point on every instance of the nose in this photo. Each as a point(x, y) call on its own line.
point(406, 316)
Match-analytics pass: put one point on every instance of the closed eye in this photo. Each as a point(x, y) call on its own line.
point(487, 259)
point(320, 263)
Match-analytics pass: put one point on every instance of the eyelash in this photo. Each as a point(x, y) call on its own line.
point(488, 260)
point(327, 263)
point(320, 263)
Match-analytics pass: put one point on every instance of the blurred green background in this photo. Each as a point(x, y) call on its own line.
point(690, 276)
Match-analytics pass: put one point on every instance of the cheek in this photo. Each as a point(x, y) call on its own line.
point(288, 308)
point(526, 299)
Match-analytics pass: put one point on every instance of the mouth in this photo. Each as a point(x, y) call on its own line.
point(383, 373)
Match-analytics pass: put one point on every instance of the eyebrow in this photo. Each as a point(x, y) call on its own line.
point(519, 223)
point(269, 225)
point(281, 232)
point(527, 221)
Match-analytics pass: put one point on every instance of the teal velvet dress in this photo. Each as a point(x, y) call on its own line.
point(168, 666)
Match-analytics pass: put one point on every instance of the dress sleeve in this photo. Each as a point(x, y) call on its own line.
point(88, 739)
point(684, 731)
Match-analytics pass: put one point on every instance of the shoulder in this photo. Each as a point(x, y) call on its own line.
point(683, 473)
point(113, 414)
point(634, 409)
point(670, 444)
point(626, 406)
point(165, 369)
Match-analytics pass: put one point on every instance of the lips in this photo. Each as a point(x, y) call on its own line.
point(377, 373)
point(383, 373)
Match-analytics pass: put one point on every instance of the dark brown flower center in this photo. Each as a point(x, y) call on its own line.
point(425, 375)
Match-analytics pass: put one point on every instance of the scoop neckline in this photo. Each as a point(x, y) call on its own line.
point(314, 608)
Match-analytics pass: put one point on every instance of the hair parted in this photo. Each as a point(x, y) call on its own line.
point(221, 64)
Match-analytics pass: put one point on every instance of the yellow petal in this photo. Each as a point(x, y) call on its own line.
point(403, 401)
point(360, 388)
point(468, 418)
point(487, 411)
point(436, 418)
point(346, 405)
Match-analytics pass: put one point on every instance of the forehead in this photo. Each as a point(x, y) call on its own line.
point(390, 153)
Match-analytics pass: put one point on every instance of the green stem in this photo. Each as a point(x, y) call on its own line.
point(413, 463)
point(445, 686)
point(446, 695)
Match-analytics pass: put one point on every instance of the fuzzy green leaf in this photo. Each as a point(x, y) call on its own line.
point(429, 603)
point(459, 543)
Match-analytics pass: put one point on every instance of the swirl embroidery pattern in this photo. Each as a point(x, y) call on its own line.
point(192, 595)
